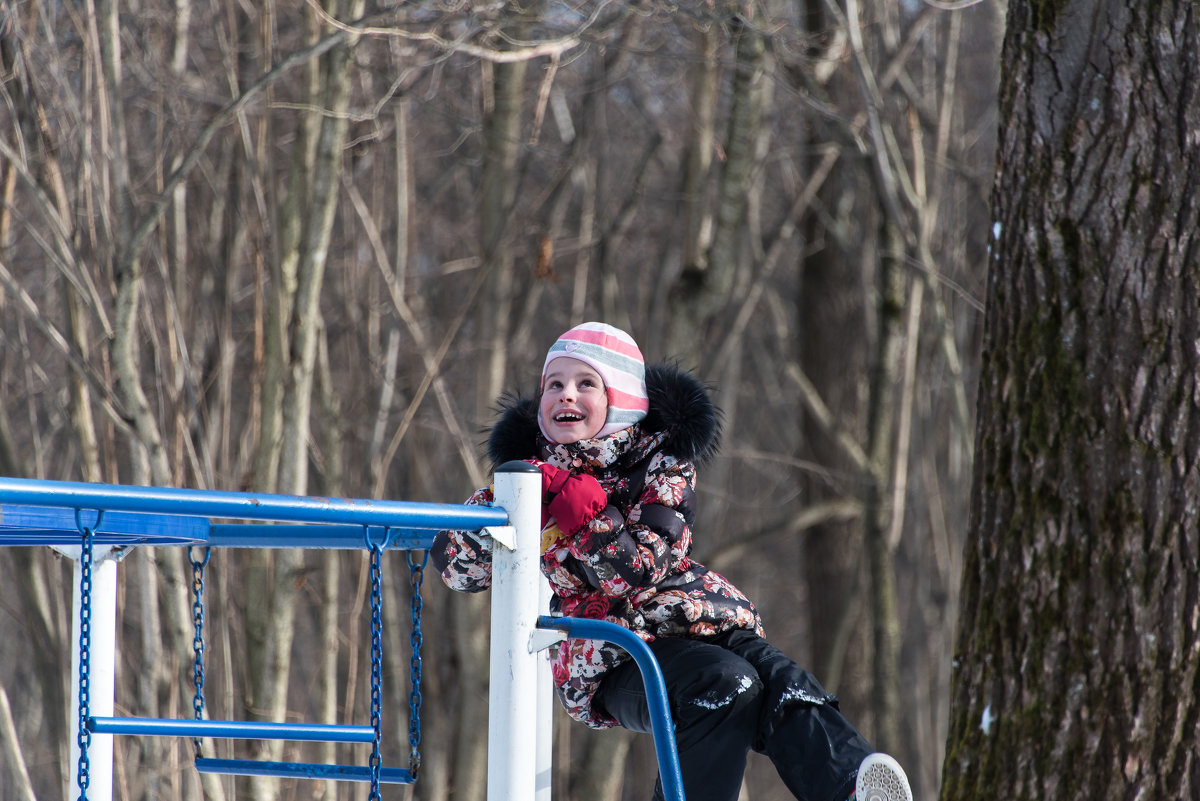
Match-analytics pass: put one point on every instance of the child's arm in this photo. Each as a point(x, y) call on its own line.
point(463, 559)
point(628, 555)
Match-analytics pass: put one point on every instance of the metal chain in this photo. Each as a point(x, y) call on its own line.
point(85, 646)
point(417, 577)
point(376, 661)
point(198, 566)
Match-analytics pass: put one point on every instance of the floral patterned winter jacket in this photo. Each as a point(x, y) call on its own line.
point(630, 565)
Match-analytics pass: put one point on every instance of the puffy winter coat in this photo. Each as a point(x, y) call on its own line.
point(630, 565)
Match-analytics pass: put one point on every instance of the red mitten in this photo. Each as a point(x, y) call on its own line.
point(553, 479)
point(579, 498)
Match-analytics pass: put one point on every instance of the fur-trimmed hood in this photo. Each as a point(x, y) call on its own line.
point(679, 404)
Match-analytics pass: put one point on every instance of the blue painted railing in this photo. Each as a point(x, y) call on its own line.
point(35, 512)
point(656, 690)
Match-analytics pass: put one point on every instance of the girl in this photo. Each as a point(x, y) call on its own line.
point(617, 444)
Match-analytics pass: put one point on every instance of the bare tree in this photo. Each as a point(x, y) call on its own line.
point(1078, 591)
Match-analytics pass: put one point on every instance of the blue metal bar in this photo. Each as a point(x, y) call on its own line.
point(656, 690)
point(300, 770)
point(231, 729)
point(315, 535)
point(248, 505)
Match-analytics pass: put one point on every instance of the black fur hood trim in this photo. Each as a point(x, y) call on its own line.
point(679, 404)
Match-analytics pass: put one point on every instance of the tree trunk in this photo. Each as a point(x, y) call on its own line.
point(702, 142)
point(497, 191)
point(320, 182)
point(705, 286)
point(831, 304)
point(304, 328)
point(1078, 646)
point(883, 615)
point(502, 126)
point(148, 454)
point(600, 776)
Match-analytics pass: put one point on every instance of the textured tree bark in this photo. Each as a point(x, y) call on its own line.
point(1078, 650)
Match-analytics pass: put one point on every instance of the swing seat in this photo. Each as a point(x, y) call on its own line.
point(232, 729)
point(300, 770)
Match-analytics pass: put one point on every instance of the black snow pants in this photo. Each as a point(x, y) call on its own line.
point(735, 692)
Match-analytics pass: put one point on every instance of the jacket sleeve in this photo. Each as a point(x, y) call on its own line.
point(464, 559)
point(624, 555)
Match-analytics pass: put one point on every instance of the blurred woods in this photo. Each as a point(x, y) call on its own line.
point(301, 248)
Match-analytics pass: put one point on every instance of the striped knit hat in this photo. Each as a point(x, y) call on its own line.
point(615, 356)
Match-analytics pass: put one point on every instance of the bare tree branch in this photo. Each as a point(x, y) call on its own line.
point(108, 399)
point(821, 414)
point(807, 517)
point(521, 50)
point(430, 359)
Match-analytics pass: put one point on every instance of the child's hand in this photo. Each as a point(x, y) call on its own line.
point(573, 499)
point(553, 479)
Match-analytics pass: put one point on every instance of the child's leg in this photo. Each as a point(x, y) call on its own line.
point(714, 701)
point(813, 747)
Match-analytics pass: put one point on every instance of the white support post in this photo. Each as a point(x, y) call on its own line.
point(513, 712)
point(102, 675)
point(545, 702)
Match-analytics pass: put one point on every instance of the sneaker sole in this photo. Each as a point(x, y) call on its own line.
point(882, 779)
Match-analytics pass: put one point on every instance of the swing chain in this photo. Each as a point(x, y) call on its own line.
point(376, 661)
point(417, 577)
point(85, 646)
point(198, 566)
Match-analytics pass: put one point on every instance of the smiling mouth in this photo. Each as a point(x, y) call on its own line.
point(568, 417)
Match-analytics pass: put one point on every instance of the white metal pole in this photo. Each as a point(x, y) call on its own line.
point(102, 660)
point(516, 579)
point(545, 707)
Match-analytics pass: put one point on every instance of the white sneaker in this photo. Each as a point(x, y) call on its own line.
point(880, 778)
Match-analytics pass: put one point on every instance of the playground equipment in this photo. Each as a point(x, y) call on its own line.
point(91, 521)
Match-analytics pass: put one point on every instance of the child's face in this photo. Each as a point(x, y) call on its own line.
point(574, 402)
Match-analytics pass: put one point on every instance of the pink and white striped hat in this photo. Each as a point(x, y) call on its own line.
point(615, 356)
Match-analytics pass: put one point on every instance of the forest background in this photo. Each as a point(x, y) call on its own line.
point(289, 247)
